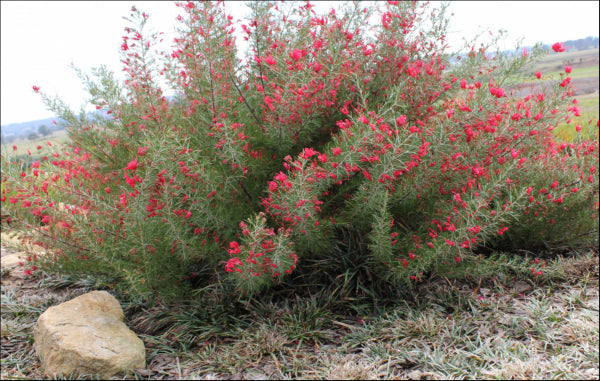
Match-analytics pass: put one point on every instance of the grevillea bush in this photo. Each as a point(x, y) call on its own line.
point(356, 125)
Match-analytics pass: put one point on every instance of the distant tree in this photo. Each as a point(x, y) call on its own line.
point(44, 130)
point(33, 136)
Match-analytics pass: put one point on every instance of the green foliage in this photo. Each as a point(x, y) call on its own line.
point(338, 147)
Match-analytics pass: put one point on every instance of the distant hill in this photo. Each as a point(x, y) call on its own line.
point(581, 44)
point(20, 130)
point(16, 130)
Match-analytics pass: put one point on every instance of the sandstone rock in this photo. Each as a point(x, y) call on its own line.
point(87, 335)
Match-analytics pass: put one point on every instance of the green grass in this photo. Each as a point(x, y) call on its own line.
point(576, 73)
point(588, 102)
point(567, 132)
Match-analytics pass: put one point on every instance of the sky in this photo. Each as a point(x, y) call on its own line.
point(40, 39)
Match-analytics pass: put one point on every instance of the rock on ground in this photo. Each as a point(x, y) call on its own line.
point(87, 336)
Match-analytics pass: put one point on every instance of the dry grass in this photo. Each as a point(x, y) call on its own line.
point(485, 329)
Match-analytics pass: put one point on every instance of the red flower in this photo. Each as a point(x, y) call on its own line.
point(268, 101)
point(565, 82)
point(270, 60)
point(538, 74)
point(132, 166)
point(568, 69)
point(297, 54)
point(501, 231)
point(36, 88)
point(496, 91)
point(232, 264)
point(401, 120)
point(336, 151)
point(234, 248)
point(130, 181)
point(307, 153)
point(281, 177)
point(558, 47)
point(475, 229)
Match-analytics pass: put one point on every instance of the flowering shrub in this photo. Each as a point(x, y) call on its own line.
point(330, 125)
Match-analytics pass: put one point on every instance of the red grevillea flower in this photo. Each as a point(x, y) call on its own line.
point(269, 102)
point(132, 166)
point(281, 177)
point(336, 151)
point(538, 75)
point(270, 60)
point(297, 54)
point(401, 120)
point(568, 69)
point(232, 264)
point(501, 231)
point(36, 88)
point(558, 47)
point(475, 229)
point(307, 153)
point(234, 248)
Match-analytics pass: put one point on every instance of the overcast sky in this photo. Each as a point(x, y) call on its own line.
point(39, 40)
